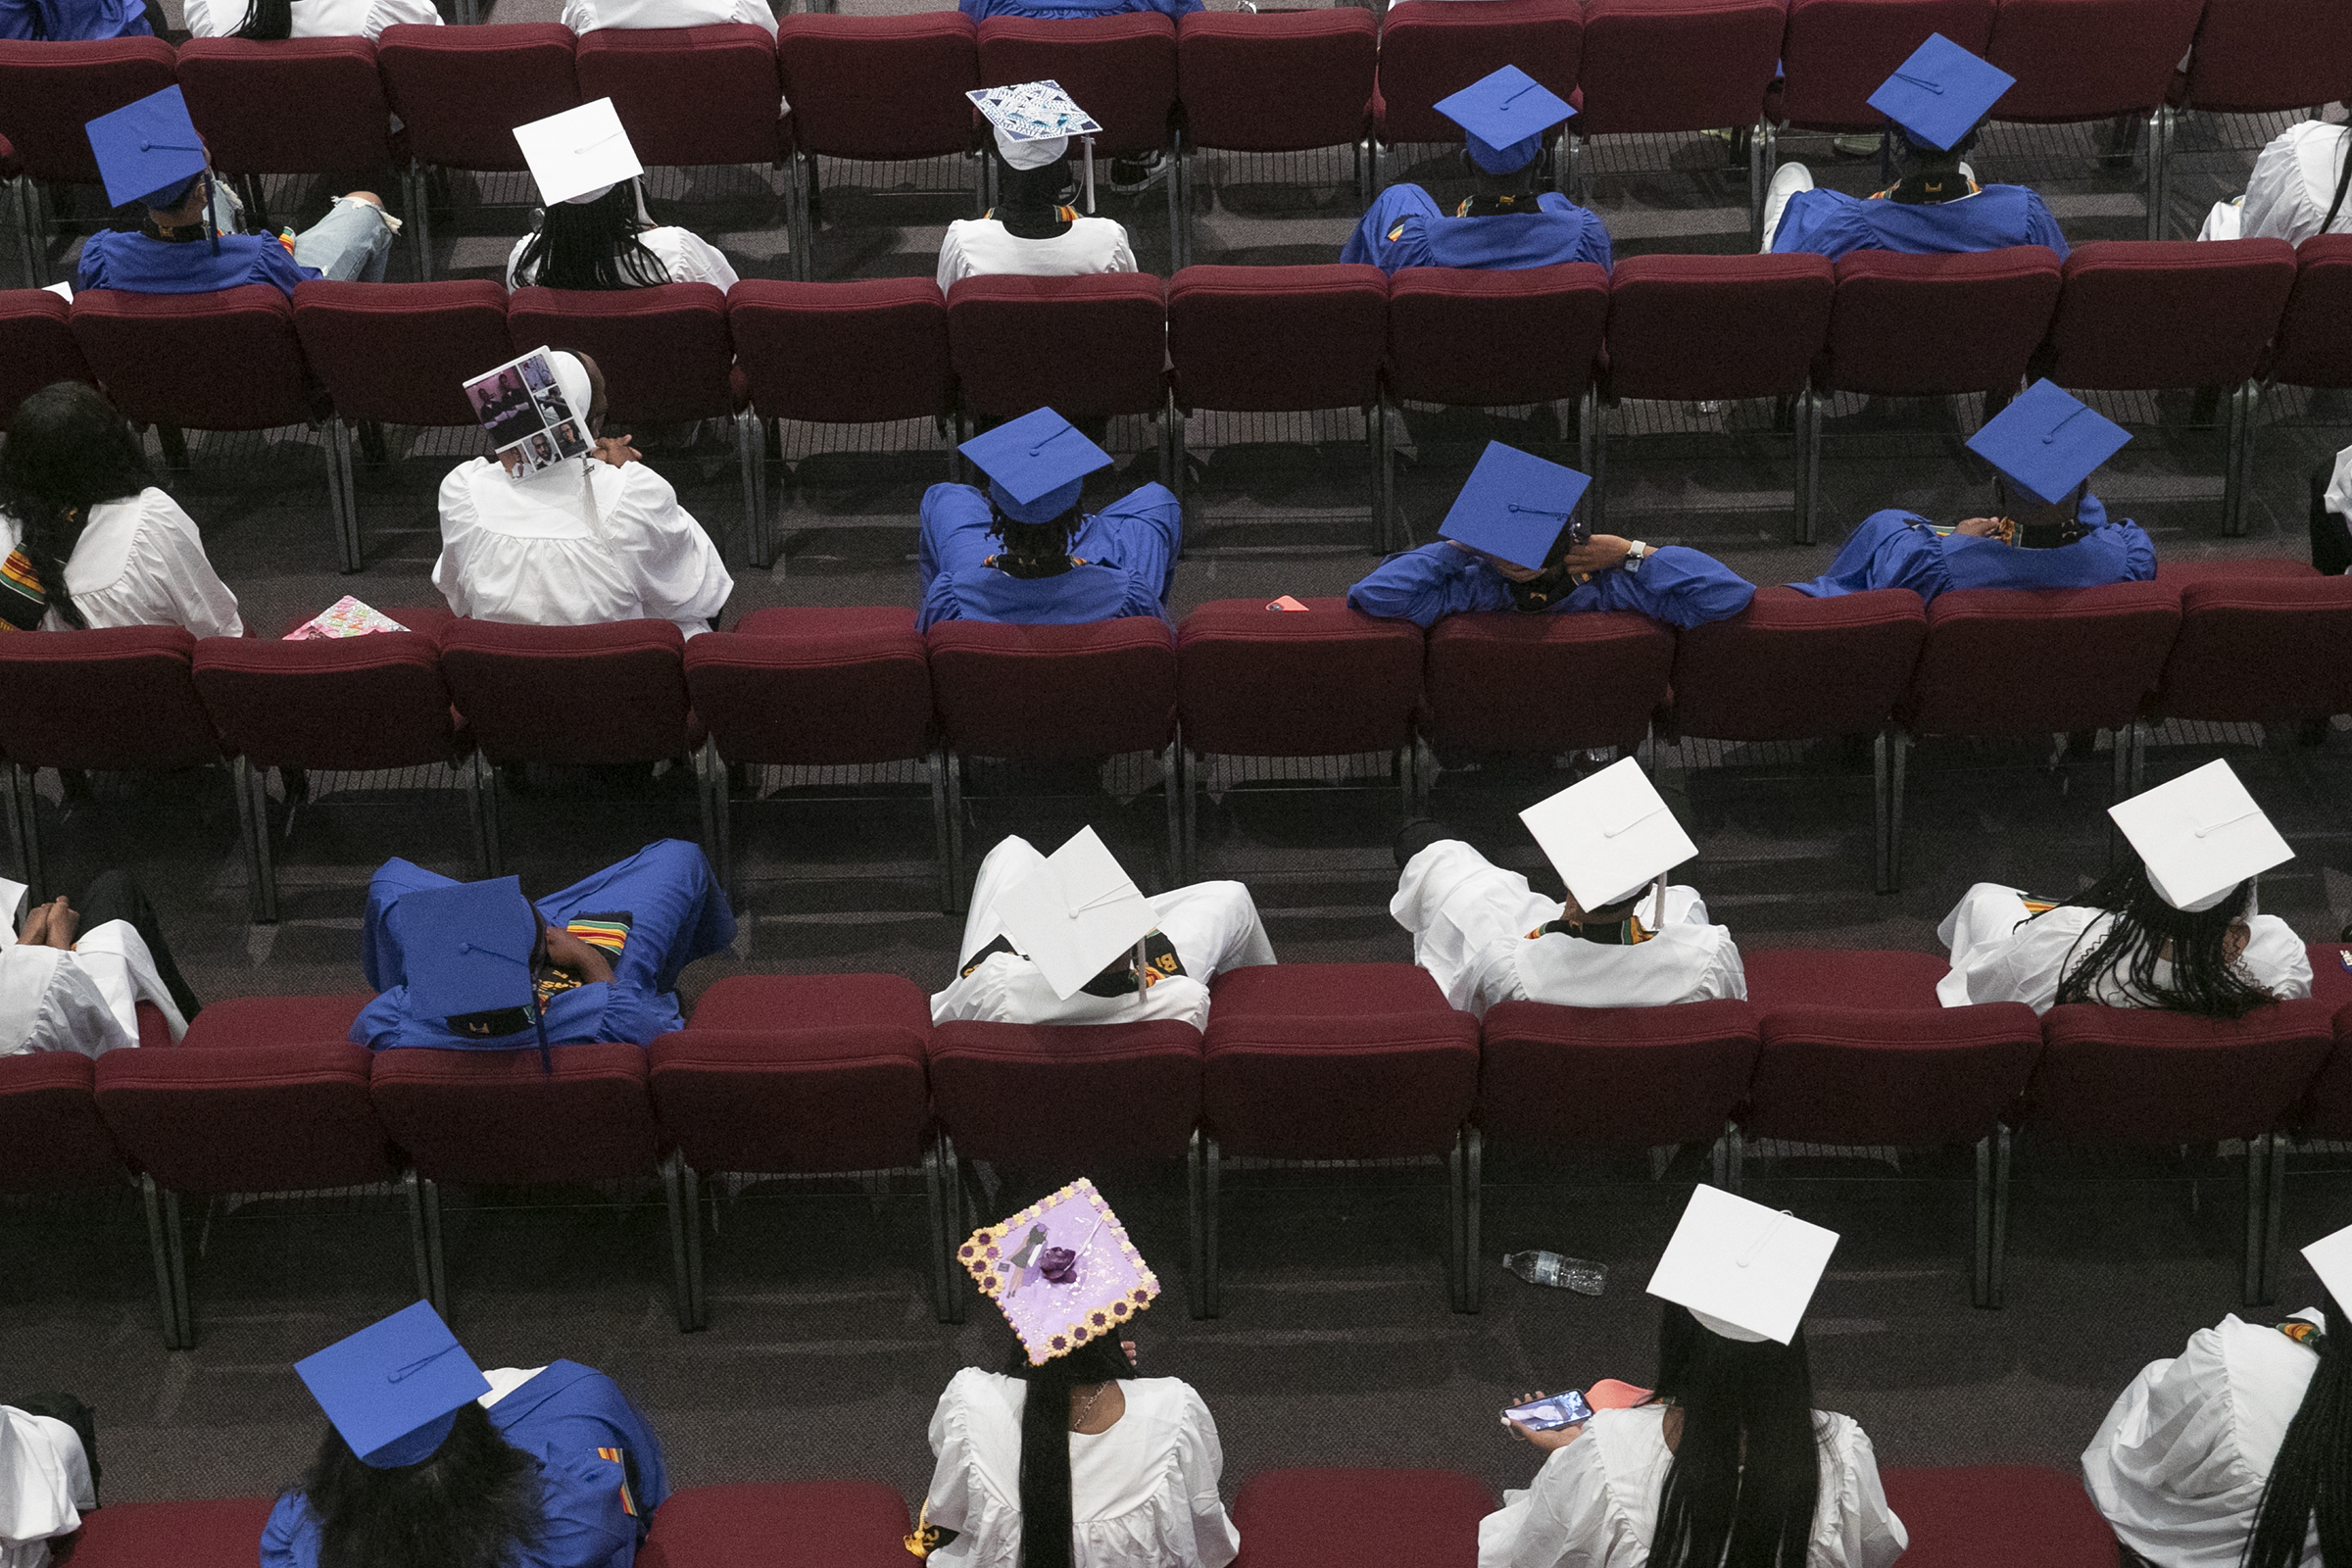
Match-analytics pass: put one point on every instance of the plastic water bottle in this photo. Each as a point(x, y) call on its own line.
point(1557, 1271)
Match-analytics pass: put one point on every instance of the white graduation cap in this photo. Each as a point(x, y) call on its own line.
point(2330, 1258)
point(1609, 835)
point(580, 154)
point(1076, 913)
point(1033, 122)
point(2200, 836)
point(1744, 1271)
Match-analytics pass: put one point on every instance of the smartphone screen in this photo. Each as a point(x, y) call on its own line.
point(1552, 1412)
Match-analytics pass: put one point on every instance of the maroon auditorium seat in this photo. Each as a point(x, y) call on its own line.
point(2314, 342)
point(2087, 60)
point(779, 1524)
point(49, 89)
point(1120, 67)
point(51, 1137)
point(289, 106)
point(1010, 337)
point(1411, 1518)
point(1664, 65)
point(2260, 650)
point(690, 95)
point(2021, 1516)
point(1846, 977)
point(795, 1092)
point(1538, 685)
point(37, 347)
point(236, 1022)
point(1433, 52)
point(1309, 1061)
point(2261, 57)
point(224, 1532)
point(1837, 53)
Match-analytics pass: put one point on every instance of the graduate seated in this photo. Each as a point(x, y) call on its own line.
point(565, 526)
point(2297, 190)
point(1726, 1461)
point(2175, 926)
point(1023, 552)
point(188, 242)
point(593, 231)
point(1510, 542)
point(269, 19)
point(586, 16)
point(48, 1475)
point(2051, 531)
point(1509, 223)
point(1938, 99)
point(1067, 1458)
point(430, 1462)
point(1030, 232)
point(89, 542)
point(81, 20)
point(73, 979)
point(1033, 955)
point(2236, 1451)
point(475, 966)
point(2331, 514)
point(1623, 938)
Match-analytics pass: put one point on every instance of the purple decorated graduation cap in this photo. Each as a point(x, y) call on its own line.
point(1036, 464)
point(1514, 506)
point(1063, 1272)
point(2047, 441)
point(147, 151)
point(1941, 93)
point(1505, 117)
point(394, 1388)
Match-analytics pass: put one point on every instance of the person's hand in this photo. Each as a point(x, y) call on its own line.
point(64, 924)
point(1559, 1437)
point(616, 450)
point(1129, 1347)
point(1980, 527)
point(568, 952)
point(1598, 554)
point(36, 923)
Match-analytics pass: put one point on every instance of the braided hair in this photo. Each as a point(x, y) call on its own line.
point(67, 451)
point(2206, 978)
point(2343, 180)
point(2312, 1477)
point(267, 19)
point(1034, 548)
point(591, 245)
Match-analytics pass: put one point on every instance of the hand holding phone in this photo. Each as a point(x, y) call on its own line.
point(1549, 1412)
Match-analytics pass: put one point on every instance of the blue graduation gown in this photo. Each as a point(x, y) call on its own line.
point(576, 1423)
point(677, 914)
point(1678, 586)
point(1065, 10)
point(1128, 547)
point(137, 264)
point(1831, 222)
point(1406, 227)
point(1898, 550)
point(72, 20)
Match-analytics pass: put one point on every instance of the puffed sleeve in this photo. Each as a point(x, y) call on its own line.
point(1201, 1465)
point(2166, 1464)
point(2276, 958)
point(679, 574)
point(384, 13)
point(39, 1502)
point(702, 258)
point(1122, 257)
point(201, 24)
point(1562, 1521)
point(290, 1540)
point(2274, 208)
point(952, 263)
point(2040, 227)
point(1863, 1530)
point(579, 16)
point(459, 519)
point(1427, 584)
point(757, 13)
point(175, 551)
point(963, 1497)
point(1677, 585)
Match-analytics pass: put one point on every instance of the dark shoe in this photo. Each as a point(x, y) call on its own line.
point(1131, 176)
point(1418, 834)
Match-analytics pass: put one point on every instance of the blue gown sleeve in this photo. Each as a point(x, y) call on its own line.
point(678, 912)
point(1820, 221)
point(1680, 586)
point(1143, 532)
point(1427, 584)
point(1885, 551)
point(2040, 227)
point(16, 24)
point(2091, 512)
point(90, 272)
point(379, 948)
point(1592, 235)
point(954, 538)
point(1370, 243)
point(290, 1540)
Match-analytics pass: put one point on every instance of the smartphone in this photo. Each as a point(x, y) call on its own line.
point(1552, 1412)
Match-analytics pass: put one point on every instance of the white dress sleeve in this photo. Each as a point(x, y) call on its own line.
point(757, 13)
point(689, 258)
point(114, 958)
point(44, 1479)
point(170, 554)
point(2166, 1467)
point(975, 1483)
point(953, 264)
point(678, 571)
point(1199, 1466)
point(1858, 1529)
point(458, 522)
point(201, 23)
point(48, 1003)
point(2276, 958)
point(383, 14)
point(580, 16)
point(1563, 1520)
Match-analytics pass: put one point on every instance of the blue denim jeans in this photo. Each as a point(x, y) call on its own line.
point(351, 244)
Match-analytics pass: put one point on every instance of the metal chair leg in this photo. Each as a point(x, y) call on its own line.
point(481, 786)
point(1175, 475)
point(2258, 1161)
point(32, 233)
point(955, 772)
point(681, 1275)
point(24, 788)
point(175, 1251)
point(711, 789)
point(951, 1171)
point(751, 458)
point(411, 1189)
point(1882, 872)
point(1901, 747)
point(343, 498)
point(1474, 1276)
point(159, 1252)
point(1719, 1162)
point(1592, 450)
point(1425, 774)
point(2159, 188)
point(1384, 528)
point(1213, 1298)
point(2275, 1199)
point(1195, 1227)
point(1456, 1221)
point(943, 1245)
point(1734, 1146)
point(436, 1261)
point(937, 766)
point(420, 201)
point(1808, 464)
point(1188, 868)
point(252, 786)
point(1179, 209)
point(2238, 472)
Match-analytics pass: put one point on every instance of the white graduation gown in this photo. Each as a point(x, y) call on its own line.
point(685, 255)
point(2177, 1466)
point(84, 999)
point(1213, 927)
point(525, 554)
point(2338, 497)
point(2003, 953)
point(314, 19)
point(1143, 1494)
point(1594, 1504)
point(2290, 191)
point(982, 245)
point(586, 16)
point(1471, 920)
point(44, 1484)
point(141, 563)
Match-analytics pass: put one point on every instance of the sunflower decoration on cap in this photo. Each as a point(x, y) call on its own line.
point(1062, 1271)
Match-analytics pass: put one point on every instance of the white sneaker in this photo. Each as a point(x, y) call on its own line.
point(1786, 182)
point(1968, 173)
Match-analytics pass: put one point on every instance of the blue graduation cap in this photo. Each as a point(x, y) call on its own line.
point(1514, 506)
point(394, 1388)
point(467, 948)
point(2046, 441)
point(1504, 118)
point(1036, 464)
point(1939, 94)
point(147, 151)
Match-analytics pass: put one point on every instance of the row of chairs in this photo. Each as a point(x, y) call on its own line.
point(2016, 1515)
point(799, 1075)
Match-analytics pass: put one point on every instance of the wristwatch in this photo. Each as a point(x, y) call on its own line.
point(1635, 554)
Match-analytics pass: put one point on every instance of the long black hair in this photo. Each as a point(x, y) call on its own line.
point(1045, 1442)
point(1746, 1474)
point(2313, 1473)
point(67, 451)
point(1029, 201)
point(591, 245)
point(2205, 978)
point(466, 1506)
point(267, 19)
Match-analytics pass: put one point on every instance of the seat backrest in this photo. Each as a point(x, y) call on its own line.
point(2140, 1078)
point(1256, 681)
point(843, 353)
point(1010, 338)
point(614, 692)
point(1103, 1094)
point(815, 688)
point(51, 1137)
point(1937, 325)
point(1420, 1516)
point(498, 1117)
point(689, 95)
point(2255, 649)
point(2111, 641)
point(2139, 314)
point(49, 89)
point(374, 701)
point(402, 351)
point(2257, 57)
point(460, 91)
point(1717, 326)
point(663, 351)
point(1478, 338)
point(1054, 692)
point(795, 1099)
point(246, 1118)
point(37, 347)
point(2021, 1514)
point(1837, 53)
point(289, 106)
point(141, 345)
point(880, 88)
point(1675, 65)
point(1792, 666)
point(1909, 1078)
point(1122, 66)
point(1668, 1075)
point(2077, 60)
point(115, 698)
point(1276, 81)
point(1275, 338)
point(1500, 681)
point(2312, 346)
point(1433, 52)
